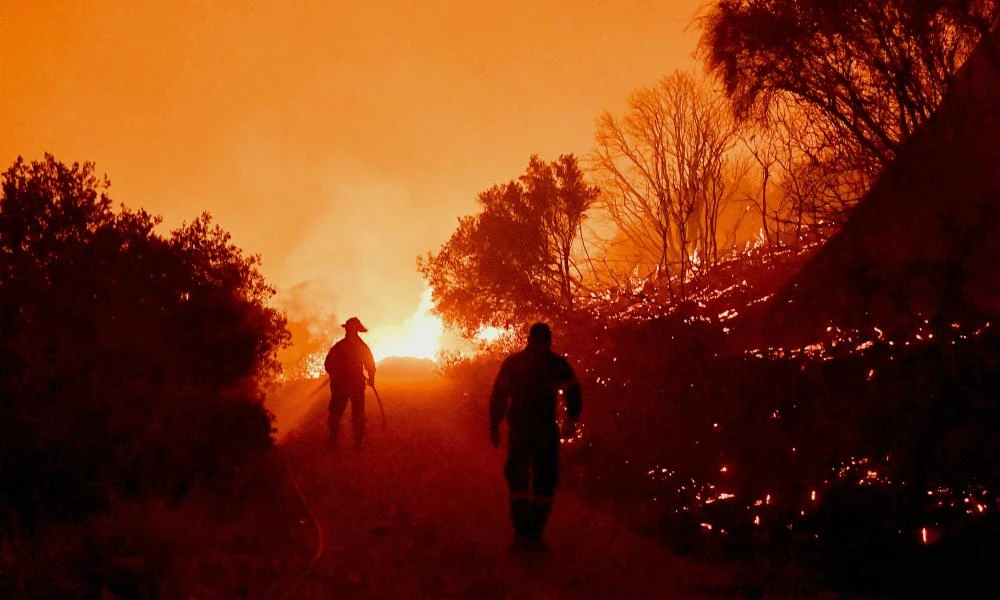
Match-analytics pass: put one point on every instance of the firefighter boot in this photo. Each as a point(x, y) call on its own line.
point(540, 509)
point(522, 517)
point(333, 430)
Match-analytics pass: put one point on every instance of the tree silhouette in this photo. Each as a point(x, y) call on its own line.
point(667, 172)
point(866, 73)
point(514, 261)
point(133, 362)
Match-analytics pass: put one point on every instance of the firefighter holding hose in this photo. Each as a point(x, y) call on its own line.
point(351, 367)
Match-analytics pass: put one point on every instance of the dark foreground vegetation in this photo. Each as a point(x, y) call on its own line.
point(860, 463)
point(131, 413)
point(821, 398)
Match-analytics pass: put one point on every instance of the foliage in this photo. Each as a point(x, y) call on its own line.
point(806, 188)
point(133, 362)
point(514, 261)
point(866, 73)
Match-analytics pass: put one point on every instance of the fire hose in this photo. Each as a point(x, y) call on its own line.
point(381, 410)
point(377, 397)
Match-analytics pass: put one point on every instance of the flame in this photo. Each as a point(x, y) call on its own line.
point(419, 336)
point(490, 334)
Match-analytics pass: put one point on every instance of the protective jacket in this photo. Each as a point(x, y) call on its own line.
point(346, 363)
point(527, 388)
point(526, 393)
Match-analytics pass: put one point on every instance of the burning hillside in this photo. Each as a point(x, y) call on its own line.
point(836, 402)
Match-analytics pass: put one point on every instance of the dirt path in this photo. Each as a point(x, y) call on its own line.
point(422, 513)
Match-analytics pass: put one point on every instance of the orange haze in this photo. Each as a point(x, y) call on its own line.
point(338, 139)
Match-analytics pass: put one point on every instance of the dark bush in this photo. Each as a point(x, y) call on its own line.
point(835, 461)
point(133, 362)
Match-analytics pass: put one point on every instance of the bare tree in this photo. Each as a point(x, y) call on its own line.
point(722, 185)
point(631, 160)
point(806, 186)
point(667, 172)
point(763, 149)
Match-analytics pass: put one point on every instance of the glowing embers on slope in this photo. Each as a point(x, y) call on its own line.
point(638, 299)
point(714, 510)
point(574, 437)
point(695, 495)
point(864, 471)
point(847, 342)
point(972, 500)
point(567, 436)
point(699, 499)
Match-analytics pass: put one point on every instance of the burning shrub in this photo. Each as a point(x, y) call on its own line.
point(861, 449)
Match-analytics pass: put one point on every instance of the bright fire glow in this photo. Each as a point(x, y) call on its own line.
point(490, 334)
point(418, 337)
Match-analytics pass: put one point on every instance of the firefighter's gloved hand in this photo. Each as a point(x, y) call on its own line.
point(495, 436)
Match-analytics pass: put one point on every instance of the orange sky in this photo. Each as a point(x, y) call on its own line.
point(339, 139)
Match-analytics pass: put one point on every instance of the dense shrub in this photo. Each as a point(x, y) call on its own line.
point(133, 362)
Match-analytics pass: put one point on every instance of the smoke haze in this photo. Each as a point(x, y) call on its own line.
point(339, 140)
